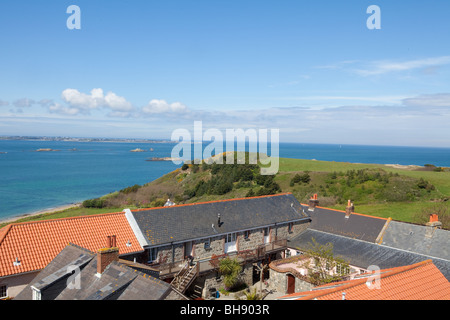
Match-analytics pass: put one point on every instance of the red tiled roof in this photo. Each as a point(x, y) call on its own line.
point(36, 243)
point(420, 281)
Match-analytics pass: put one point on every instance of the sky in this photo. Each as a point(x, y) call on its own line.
point(312, 69)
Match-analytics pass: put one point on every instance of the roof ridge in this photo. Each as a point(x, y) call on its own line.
point(346, 284)
point(213, 201)
point(359, 214)
point(4, 232)
point(397, 270)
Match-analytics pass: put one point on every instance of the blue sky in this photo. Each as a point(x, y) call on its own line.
point(141, 69)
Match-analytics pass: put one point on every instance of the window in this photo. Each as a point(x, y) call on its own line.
point(290, 227)
point(36, 294)
point(342, 269)
point(152, 254)
point(231, 237)
point(246, 235)
point(3, 291)
point(207, 243)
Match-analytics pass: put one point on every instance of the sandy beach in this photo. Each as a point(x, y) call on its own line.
point(50, 210)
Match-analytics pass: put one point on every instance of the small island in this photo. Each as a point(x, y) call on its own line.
point(163, 159)
point(45, 150)
point(137, 150)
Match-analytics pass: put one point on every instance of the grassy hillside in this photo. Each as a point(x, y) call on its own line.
point(405, 193)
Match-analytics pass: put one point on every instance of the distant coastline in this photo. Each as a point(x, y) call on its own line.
point(37, 213)
point(75, 139)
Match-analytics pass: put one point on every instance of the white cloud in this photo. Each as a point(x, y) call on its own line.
point(60, 109)
point(382, 67)
point(4, 103)
point(95, 100)
point(156, 106)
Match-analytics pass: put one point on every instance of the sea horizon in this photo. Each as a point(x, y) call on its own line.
point(79, 170)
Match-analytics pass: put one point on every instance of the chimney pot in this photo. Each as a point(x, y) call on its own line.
point(313, 202)
point(349, 209)
point(433, 223)
point(434, 218)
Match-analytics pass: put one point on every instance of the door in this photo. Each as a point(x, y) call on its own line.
point(188, 249)
point(230, 242)
point(290, 284)
point(266, 235)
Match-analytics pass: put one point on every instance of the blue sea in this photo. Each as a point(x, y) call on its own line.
point(31, 181)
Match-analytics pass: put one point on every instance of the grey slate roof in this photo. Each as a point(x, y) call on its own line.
point(117, 282)
point(413, 237)
point(363, 253)
point(356, 226)
point(194, 221)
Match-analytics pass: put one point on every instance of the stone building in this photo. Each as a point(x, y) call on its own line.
point(188, 241)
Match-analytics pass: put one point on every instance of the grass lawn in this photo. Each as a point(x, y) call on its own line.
point(441, 180)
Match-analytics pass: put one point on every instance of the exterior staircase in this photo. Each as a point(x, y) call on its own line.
point(185, 277)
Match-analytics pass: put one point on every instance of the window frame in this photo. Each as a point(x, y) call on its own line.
point(3, 289)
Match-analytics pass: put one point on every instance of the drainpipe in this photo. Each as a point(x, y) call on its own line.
point(173, 253)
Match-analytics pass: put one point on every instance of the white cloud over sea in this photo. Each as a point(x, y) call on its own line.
point(416, 120)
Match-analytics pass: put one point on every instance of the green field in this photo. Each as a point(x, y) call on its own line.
point(370, 197)
point(440, 179)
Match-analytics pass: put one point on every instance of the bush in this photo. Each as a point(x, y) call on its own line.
point(94, 203)
point(250, 193)
point(305, 178)
point(185, 167)
point(131, 189)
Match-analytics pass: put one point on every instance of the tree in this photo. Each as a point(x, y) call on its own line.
point(230, 269)
point(323, 267)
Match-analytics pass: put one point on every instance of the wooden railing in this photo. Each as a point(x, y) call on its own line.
point(203, 265)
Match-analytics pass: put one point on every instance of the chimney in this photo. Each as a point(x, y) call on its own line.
point(313, 202)
point(349, 209)
point(432, 225)
point(107, 255)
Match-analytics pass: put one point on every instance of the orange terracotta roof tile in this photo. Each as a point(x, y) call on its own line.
point(420, 281)
point(36, 243)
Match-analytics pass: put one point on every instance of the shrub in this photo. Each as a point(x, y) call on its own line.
point(250, 193)
point(131, 189)
point(94, 203)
